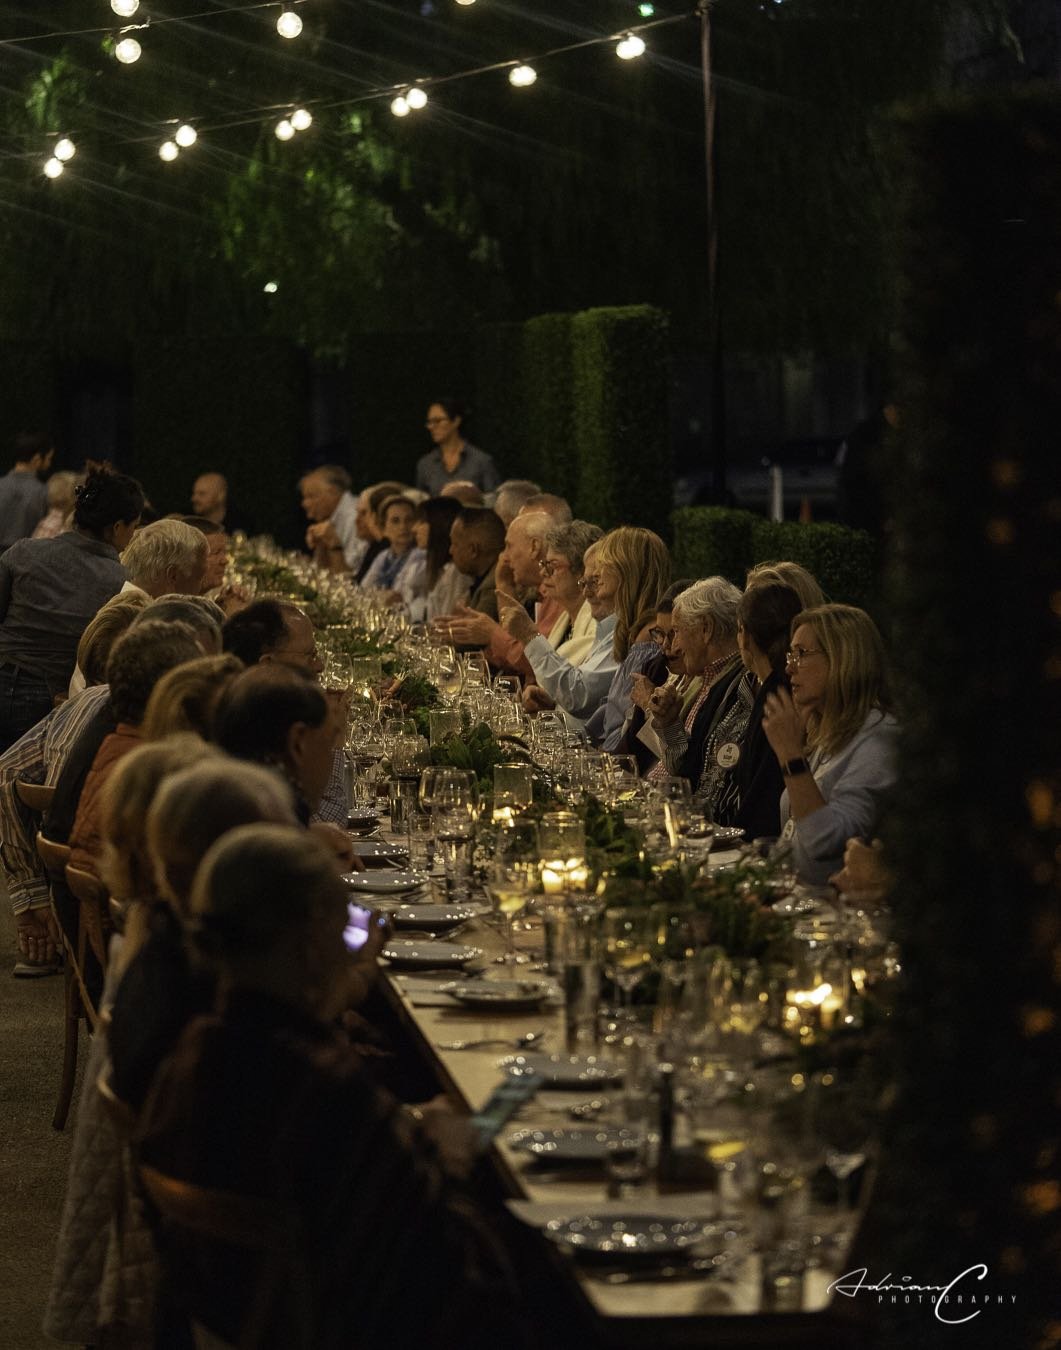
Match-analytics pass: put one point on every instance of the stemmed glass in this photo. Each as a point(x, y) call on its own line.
point(741, 1003)
point(512, 873)
point(448, 673)
point(455, 808)
point(510, 686)
point(627, 950)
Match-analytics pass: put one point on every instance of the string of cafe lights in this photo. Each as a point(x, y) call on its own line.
point(405, 98)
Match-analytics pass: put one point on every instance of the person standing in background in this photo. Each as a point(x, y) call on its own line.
point(453, 458)
point(23, 496)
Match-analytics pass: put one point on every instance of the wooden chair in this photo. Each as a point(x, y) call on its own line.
point(75, 997)
point(93, 911)
point(34, 796)
point(247, 1223)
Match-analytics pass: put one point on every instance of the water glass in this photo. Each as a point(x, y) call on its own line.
point(513, 786)
point(419, 828)
point(442, 722)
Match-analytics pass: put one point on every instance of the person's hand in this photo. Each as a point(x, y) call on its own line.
point(535, 699)
point(515, 618)
point(664, 705)
point(232, 599)
point(641, 691)
point(321, 534)
point(783, 726)
point(340, 844)
point(38, 936)
point(863, 873)
point(470, 628)
point(450, 1134)
point(504, 577)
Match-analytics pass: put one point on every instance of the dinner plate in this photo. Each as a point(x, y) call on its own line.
point(632, 1236)
point(726, 834)
point(564, 1071)
point(433, 918)
point(510, 994)
point(361, 823)
point(413, 955)
point(384, 883)
point(380, 849)
point(574, 1145)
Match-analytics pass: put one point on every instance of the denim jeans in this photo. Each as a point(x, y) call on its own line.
point(24, 699)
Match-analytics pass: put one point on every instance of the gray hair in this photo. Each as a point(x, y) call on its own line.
point(572, 540)
point(160, 546)
point(714, 598)
point(333, 474)
point(513, 494)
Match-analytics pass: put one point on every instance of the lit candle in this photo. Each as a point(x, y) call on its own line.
point(807, 1009)
point(560, 875)
point(504, 815)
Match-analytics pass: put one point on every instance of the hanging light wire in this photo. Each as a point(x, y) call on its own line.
point(155, 23)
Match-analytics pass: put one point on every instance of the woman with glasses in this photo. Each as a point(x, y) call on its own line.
point(453, 460)
point(625, 573)
point(834, 735)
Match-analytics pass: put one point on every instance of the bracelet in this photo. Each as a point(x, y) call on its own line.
point(792, 768)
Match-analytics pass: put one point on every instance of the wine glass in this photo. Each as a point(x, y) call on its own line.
point(510, 686)
point(455, 808)
point(337, 673)
point(741, 1001)
point(627, 950)
point(448, 673)
point(511, 876)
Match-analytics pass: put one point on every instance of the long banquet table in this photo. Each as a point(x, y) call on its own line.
point(716, 1311)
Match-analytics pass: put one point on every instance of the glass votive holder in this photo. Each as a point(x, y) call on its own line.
point(513, 785)
point(442, 722)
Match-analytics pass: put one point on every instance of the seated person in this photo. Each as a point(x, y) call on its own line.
point(476, 540)
point(396, 529)
point(420, 581)
point(265, 1099)
point(834, 736)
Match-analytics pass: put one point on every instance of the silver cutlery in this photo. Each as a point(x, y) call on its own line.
point(521, 1043)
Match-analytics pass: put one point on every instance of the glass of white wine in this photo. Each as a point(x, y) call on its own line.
point(627, 943)
point(511, 876)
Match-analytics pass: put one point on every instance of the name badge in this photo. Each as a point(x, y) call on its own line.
point(727, 755)
point(789, 830)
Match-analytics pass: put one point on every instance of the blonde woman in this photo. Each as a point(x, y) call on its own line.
point(792, 574)
point(625, 573)
point(185, 699)
point(834, 735)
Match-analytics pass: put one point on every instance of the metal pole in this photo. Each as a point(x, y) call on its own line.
point(717, 418)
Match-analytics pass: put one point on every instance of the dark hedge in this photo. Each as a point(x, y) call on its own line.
point(712, 541)
point(843, 560)
point(549, 402)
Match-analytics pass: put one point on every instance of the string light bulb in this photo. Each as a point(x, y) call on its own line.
point(283, 131)
point(522, 76)
point(270, 288)
point(53, 167)
point(168, 151)
point(301, 119)
point(289, 24)
point(64, 149)
point(400, 106)
point(127, 51)
point(416, 97)
point(630, 47)
point(185, 135)
point(465, 2)
point(125, 9)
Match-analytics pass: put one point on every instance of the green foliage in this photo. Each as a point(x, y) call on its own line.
point(843, 560)
point(620, 364)
point(548, 402)
point(712, 541)
point(479, 750)
point(201, 404)
point(970, 1170)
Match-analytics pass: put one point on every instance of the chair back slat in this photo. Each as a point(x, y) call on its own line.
point(35, 796)
point(93, 909)
point(54, 856)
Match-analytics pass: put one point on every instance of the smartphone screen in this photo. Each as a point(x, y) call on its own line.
point(359, 921)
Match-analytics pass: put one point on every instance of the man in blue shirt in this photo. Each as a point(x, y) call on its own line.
point(23, 497)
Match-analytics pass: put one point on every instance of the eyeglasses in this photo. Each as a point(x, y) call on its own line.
point(547, 567)
point(588, 583)
point(435, 421)
point(795, 656)
point(659, 637)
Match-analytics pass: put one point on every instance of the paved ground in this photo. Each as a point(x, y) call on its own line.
point(33, 1157)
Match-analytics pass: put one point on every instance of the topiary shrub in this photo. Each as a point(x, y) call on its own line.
point(843, 560)
point(548, 403)
point(620, 363)
point(712, 541)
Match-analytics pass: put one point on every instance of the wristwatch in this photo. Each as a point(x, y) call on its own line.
point(794, 767)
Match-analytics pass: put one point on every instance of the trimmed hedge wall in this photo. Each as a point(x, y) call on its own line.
point(717, 541)
point(712, 541)
point(620, 365)
point(549, 407)
point(241, 408)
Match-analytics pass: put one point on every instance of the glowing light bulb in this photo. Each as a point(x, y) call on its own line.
point(65, 149)
point(465, 2)
point(630, 47)
point(53, 168)
point(125, 9)
point(416, 97)
point(289, 24)
point(283, 131)
point(646, 11)
point(168, 151)
point(270, 288)
point(185, 136)
point(522, 76)
point(400, 106)
point(127, 51)
point(301, 119)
